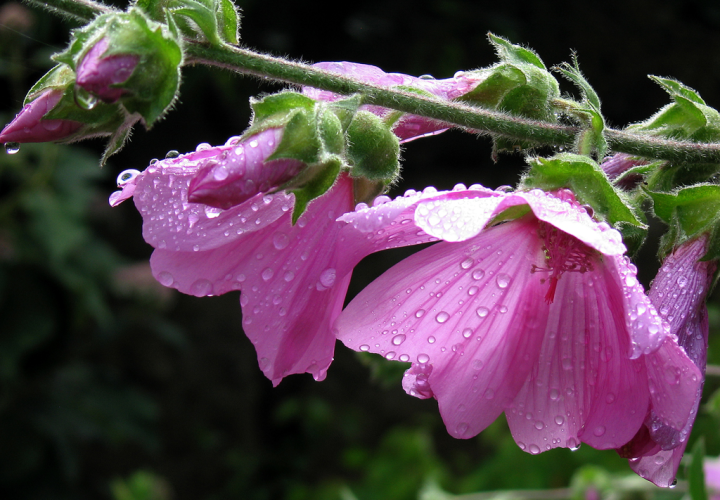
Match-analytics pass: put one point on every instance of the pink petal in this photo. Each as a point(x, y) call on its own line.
point(456, 310)
point(96, 73)
point(170, 222)
point(647, 329)
point(291, 282)
point(29, 125)
point(661, 467)
point(241, 171)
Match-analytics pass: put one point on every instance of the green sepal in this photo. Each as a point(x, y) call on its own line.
point(275, 104)
point(695, 472)
point(591, 139)
point(300, 140)
point(585, 178)
point(373, 150)
point(330, 129)
point(691, 210)
point(345, 109)
point(153, 85)
point(687, 118)
point(321, 179)
point(216, 21)
point(510, 52)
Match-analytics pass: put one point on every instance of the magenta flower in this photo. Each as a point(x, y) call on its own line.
point(541, 317)
point(616, 165)
point(409, 127)
point(98, 74)
point(293, 278)
point(29, 125)
point(678, 292)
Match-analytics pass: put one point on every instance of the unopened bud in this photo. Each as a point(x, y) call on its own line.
point(29, 125)
point(98, 74)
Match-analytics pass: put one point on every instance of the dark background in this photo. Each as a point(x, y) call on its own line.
point(110, 384)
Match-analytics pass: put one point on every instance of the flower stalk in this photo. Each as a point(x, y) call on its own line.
point(479, 120)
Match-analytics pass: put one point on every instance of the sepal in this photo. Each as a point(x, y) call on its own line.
point(687, 118)
point(519, 84)
point(215, 21)
point(689, 212)
point(373, 150)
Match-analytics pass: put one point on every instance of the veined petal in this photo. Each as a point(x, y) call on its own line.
point(647, 329)
point(292, 285)
point(582, 386)
point(661, 467)
point(468, 315)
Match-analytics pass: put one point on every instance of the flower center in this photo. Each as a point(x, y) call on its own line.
point(563, 253)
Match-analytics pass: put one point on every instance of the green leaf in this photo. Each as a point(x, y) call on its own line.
point(300, 139)
point(373, 150)
point(693, 209)
point(586, 179)
point(490, 91)
point(228, 21)
point(674, 87)
point(695, 473)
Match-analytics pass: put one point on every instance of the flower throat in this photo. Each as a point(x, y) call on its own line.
point(563, 253)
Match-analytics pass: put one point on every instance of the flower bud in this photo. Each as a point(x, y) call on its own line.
point(29, 125)
point(98, 73)
point(242, 170)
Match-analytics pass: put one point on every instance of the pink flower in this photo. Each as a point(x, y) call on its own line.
point(293, 278)
point(409, 127)
point(98, 74)
point(29, 125)
point(615, 166)
point(541, 317)
point(678, 292)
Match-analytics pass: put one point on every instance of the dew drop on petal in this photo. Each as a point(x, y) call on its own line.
point(431, 339)
point(398, 339)
point(472, 290)
point(482, 311)
point(442, 317)
point(267, 274)
point(462, 428)
point(364, 348)
point(390, 355)
point(554, 394)
point(12, 147)
point(478, 274)
point(423, 358)
point(280, 240)
point(599, 430)
point(404, 358)
point(289, 276)
point(201, 288)
point(419, 313)
point(489, 394)
point(502, 280)
point(467, 263)
point(327, 277)
point(165, 278)
point(534, 449)
point(467, 333)
point(539, 425)
point(559, 419)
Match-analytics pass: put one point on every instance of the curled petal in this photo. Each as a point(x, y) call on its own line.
point(97, 74)
point(29, 125)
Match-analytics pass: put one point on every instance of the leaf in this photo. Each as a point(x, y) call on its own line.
point(696, 475)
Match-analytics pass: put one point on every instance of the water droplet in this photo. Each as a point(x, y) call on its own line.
point(165, 278)
point(83, 98)
point(567, 364)
point(289, 276)
point(610, 398)
point(12, 147)
point(599, 430)
point(539, 425)
point(467, 263)
point(426, 77)
point(390, 355)
point(280, 240)
point(172, 154)
point(201, 288)
point(502, 280)
point(559, 419)
point(327, 277)
point(127, 176)
point(461, 429)
point(212, 212)
point(489, 394)
point(534, 449)
point(682, 281)
point(431, 339)
point(196, 248)
point(554, 394)
point(423, 358)
point(478, 274)
point(477, 364)
point(220, 173)
point(503, 309)
point(404, 358)
point(472, 290)
point(267, 274)
point(467, 333)
point(482, 311)
point(398, 339)
point(364, 348)
point(420, 313)
point(442, 317)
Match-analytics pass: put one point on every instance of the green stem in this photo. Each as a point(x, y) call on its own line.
point(475, 119)
point(81, 10)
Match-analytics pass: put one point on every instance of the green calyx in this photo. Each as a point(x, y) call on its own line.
point(687, 118)
point(519, 84)
point(329, 137)
point(588, 182)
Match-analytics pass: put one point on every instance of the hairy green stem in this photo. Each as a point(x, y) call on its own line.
point(475, 119)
